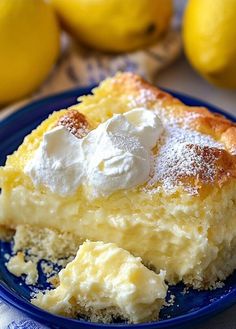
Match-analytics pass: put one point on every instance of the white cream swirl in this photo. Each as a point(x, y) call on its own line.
point(116, 155)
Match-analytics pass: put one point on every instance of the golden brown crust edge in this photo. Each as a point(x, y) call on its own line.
point(215, 125)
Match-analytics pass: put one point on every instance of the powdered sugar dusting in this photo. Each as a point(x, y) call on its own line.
point(184, 157)
point(171, 120)
point(233, 151)
point(144, 96)
point(184, 154)
point(75, 122)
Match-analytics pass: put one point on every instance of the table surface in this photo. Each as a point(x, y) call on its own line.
point(181, 77)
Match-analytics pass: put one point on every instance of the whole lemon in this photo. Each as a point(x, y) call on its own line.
point(209, 33)
point(29, 39)
point(115, 25)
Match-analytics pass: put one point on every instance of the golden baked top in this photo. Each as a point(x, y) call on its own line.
point(197, 149)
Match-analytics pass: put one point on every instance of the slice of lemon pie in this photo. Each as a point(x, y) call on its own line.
point(134, 166)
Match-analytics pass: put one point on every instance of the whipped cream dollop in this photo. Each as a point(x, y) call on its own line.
point(58, 163)
point(116, 155)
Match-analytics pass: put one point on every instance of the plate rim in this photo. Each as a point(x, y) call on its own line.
point(42, 316)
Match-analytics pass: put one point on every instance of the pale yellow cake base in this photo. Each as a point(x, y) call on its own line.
point(196, 250)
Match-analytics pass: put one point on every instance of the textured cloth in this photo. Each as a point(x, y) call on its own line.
point(78, 66)
point(10, 318)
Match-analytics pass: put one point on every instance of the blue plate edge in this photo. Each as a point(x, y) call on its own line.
point(37, 314)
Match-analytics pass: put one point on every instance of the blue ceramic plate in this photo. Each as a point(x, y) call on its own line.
point(187, 310)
